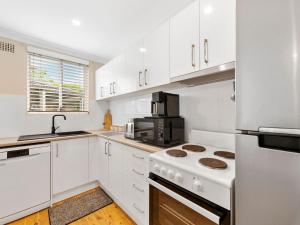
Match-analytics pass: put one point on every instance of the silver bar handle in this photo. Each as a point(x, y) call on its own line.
point(138, 209)
point(2, 164)
point(114, 87)
point(56, 150)
point(145, 75)
point(279, 130)
point(108, 149)
point(137, 188)
point(110, 87)
point(138, 157)
point(101, 91)
point(206, 51)
point(105, 148)
point(137, 172)
point(140, 73)
point(193, 55)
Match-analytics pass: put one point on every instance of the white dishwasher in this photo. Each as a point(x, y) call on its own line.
point(24, 180)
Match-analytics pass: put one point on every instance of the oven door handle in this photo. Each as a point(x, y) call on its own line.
point(209, 215)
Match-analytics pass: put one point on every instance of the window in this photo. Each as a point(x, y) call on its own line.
point(56, 84)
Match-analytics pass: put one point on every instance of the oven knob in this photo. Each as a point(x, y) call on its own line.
point(156, 168)
point(163, 171)
point(171, 174)
point(178, 178)
point(197, 186)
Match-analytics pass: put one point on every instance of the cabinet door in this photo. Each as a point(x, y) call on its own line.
point(119, 80)
point(102, 145)
point(135, 66)
point(103, 82)
point(217, 32)
point(70, 164)
point(99, 88)
point(116, 169)
point(95, 155)
point(184, 41)
point(157, 56)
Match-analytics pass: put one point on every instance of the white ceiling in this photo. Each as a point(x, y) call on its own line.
point(108, 26)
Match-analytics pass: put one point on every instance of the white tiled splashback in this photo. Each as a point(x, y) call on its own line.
point(16, 121)
point(204, 107)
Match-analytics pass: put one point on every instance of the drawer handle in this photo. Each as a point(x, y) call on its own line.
point(2, 164)
point(138, 209)
point(137, 172)
point(137, 188)
point(138, 157)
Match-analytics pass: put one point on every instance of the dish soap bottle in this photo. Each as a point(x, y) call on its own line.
point(107, 120)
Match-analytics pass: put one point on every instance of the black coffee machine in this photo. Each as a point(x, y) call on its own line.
point(165, 127)
point(165, 104)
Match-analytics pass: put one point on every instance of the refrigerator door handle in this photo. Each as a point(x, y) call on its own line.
point(287, 140)
point(279, 130)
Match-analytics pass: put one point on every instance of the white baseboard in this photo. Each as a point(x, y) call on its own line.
point(24, 213)
point(73, 192)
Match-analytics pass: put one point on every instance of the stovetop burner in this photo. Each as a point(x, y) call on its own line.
point(193, 148)
point(176, 153)
point(213, 163)
point(225, 154)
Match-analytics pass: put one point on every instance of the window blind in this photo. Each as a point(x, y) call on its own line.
point(56, 85)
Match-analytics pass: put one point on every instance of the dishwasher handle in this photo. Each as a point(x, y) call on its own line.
point(17, 153)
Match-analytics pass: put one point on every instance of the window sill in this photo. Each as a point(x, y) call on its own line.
point(53, 113)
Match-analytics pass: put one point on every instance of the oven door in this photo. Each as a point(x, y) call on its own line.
point(144, 130)
point(173, 205)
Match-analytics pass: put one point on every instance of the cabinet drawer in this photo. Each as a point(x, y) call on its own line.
point(139, 162)
point(139, 212)
point(140, 192)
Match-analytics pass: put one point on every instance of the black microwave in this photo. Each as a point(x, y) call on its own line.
point(164, 132)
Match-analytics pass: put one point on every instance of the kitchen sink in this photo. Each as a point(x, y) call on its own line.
point(50, 135)
point(71, 133)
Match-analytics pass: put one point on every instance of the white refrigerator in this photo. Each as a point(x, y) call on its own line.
point(268, 112)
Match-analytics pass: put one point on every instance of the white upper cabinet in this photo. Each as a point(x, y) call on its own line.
point(119, 82)
point(157, 56)
point(217, 32)
point(135, 66)
point(200, 36)
point(184, 41)
point(98, 84)
point(103, 87)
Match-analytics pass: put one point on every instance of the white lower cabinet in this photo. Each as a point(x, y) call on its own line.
point(136, 185)
point(124, 172)
point(70, 161)
point(115, 164)
point(111, 167)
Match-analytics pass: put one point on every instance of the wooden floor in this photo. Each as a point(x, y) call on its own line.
point(109, 215)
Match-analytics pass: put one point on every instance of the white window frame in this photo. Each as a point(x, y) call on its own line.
point(62, 57)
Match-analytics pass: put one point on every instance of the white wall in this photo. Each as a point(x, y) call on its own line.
point(205, 107)
point(15, 121)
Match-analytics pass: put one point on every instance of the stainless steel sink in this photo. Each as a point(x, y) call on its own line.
point(49, 135)
point(71, 133)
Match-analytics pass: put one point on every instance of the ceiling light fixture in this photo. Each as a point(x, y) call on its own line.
point(76, 22)
point(143, 50)
point(208, 10)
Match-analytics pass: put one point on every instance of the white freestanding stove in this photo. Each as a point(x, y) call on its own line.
point(199, 175)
